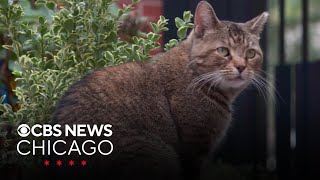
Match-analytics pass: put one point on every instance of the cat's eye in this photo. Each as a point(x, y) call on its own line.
point(251, 53)
point(223, 51)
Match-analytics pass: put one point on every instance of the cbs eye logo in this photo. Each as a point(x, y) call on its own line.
point(23, 130)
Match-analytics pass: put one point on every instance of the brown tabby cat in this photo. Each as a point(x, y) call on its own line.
point(170, 113)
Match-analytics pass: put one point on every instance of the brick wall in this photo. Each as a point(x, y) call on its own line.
point(151, 9)
point(148, 8)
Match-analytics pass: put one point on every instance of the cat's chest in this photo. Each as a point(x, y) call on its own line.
point(199, 110)
point(202, 122)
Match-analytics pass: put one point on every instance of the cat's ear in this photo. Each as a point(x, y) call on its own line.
point(205, 18)
point(256, 25)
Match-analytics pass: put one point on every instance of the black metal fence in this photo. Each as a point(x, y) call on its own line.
point(299, 160)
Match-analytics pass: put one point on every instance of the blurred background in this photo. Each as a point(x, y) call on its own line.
point(273, 136)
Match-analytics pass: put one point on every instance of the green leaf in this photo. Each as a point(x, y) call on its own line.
point(17, 46)
point(56, 29)
point(182, 32)
point(9, 47)
point(148, 48)
point(43, 31)
point(17, 73)
point(190, 25)
point(120, 12)
point(179, 22)
point(7, 107)
point(164, 29)
point(155, 27)
point(68, 25)
point(51, 5)
point(34, 88)
point(73, 36)
point(2, 99)
point(41, 2)
point(156, 37)
point(171, 44)
point(41, 20)
point(4, 3)
point(29, 33)
point(173, 41)
point(187, 16)
point(163, 19)
point(150, 35)
point(109, 56)
point(135, 48)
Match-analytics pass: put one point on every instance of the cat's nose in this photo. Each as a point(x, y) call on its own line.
point(240, 68)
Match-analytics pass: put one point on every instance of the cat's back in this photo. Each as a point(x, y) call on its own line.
point(102, 92)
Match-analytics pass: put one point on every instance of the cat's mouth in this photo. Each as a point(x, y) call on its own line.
point(238, 81)
point(238, 78)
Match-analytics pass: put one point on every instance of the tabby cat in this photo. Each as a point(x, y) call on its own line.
point(169, 114)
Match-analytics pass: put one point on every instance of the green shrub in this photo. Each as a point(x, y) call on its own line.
point(54, 52)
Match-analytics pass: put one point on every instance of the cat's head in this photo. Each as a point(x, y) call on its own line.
point(225, 55)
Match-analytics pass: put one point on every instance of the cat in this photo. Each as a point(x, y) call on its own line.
point(168, 115)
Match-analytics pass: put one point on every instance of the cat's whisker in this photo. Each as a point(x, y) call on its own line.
point(209, 74)
point(203, 79)
point(272, 78)
point(198, 79)
point(264, 85)
point(256, 84)
point(223, 70)
point(215, 83)
point(210, 79)
point(265, 73)
point(263, 78)
point(203, 76)
point(205, 82)
point(270, 85)
point(194, 83)
point(264, 88)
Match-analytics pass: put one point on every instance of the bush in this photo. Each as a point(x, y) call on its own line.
point(52, 53)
